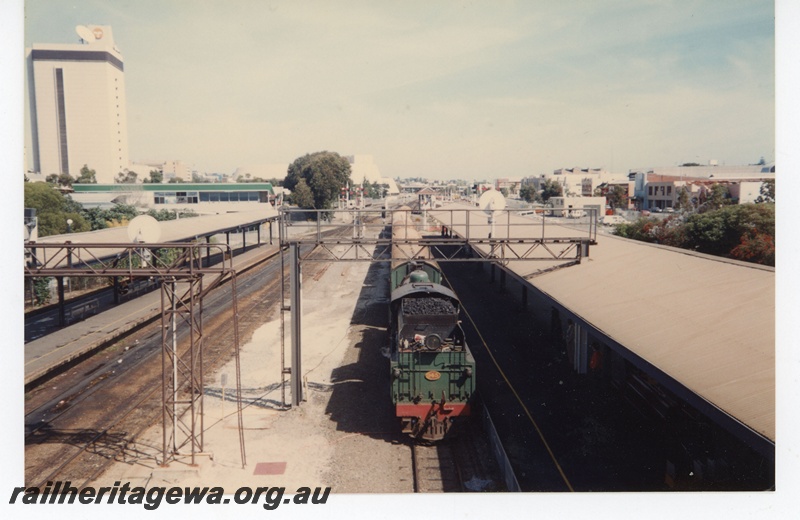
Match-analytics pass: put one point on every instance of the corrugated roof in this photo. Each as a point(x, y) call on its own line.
point(707, 322)
point(172, 230)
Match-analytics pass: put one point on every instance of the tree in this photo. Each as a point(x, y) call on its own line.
point(53, 209)
point(742, 231)
point(94, 216)
point(325, 174)
point(375, 190)
point(87, 176)
point(722, 231)
point(302, 196)
point(126, 177)
point(55, 223)
point(41, 288)
point(641, 229)
point(755, 247)
point(63, 180)
point(767, 191)
point(716, 197)
point(41, 196)
point(684, 203)
point(118, 215)
point(551, 189)
point(156, 177)
point(175, 180)
point(527, 193)
point(617, 197)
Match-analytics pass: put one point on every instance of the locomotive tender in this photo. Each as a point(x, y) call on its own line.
point(432, 370)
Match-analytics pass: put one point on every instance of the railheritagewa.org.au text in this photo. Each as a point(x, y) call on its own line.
point(151, 498)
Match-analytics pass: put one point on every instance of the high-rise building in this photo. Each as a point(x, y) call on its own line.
point(77, 103)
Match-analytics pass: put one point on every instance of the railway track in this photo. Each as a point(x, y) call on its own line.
point(435, 468)
point(459, 464)
point(93, 422)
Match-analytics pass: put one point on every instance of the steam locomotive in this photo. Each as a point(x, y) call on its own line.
point(432, 370)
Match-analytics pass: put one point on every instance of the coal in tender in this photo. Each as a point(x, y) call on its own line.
point(427, 307)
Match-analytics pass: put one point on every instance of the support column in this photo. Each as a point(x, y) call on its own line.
point(62, 311)
point(208, 252)
point(295, 283)
point(244, 240)
point(182, 372)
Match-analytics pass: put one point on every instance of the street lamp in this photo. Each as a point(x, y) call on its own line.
point(69, 225)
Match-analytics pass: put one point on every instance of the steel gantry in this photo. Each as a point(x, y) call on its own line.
point(447, 235)
point(185, 281)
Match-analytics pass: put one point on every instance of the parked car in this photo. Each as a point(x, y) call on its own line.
point(613, 220)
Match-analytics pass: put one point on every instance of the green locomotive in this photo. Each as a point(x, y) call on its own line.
point(432, 370)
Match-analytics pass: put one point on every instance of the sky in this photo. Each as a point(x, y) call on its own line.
point(443, 89)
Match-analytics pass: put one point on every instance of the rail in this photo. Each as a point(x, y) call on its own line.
point(180, 267)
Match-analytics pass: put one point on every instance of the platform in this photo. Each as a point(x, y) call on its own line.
point(704, 326)
point(50, 352)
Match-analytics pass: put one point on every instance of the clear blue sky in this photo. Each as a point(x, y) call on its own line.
point(440, 89)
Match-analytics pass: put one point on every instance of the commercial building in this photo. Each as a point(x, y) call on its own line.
point(204, 199)
point(577, 207)
point(660, 188)
point(577, 182)
point(511, 185)
point(78, 106)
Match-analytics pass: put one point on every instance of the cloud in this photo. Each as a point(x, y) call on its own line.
point(440, 88)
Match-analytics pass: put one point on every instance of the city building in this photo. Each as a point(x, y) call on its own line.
point(203, 199)
point(660, 188)
point(577, 207)
point(77, 105)
point(177, 170)
point(249, 172)
point(576, 182)
point(511, 185)
point(364, 170)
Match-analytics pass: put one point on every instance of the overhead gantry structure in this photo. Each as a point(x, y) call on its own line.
point(469, 234)
point(185, 279)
